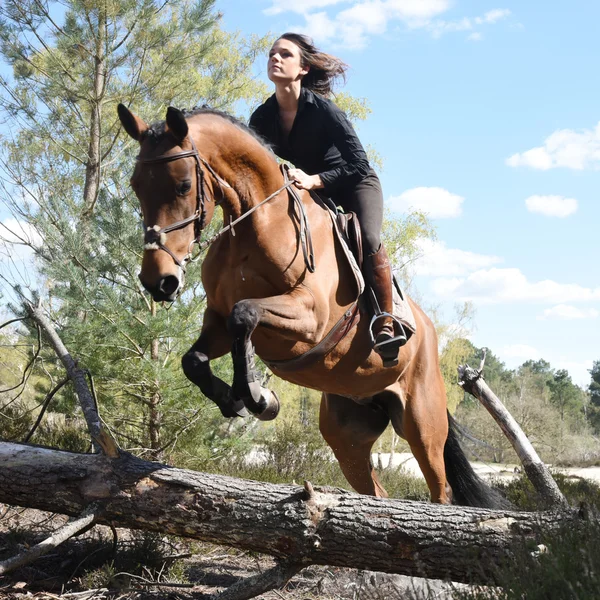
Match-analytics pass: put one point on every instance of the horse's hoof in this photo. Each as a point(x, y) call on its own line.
point(272, 405)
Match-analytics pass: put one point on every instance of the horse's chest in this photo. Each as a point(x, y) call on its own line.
point(230, 284)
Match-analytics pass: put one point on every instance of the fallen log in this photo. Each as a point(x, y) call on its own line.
point(299, 526)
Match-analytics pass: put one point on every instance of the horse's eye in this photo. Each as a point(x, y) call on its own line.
point(184, 187)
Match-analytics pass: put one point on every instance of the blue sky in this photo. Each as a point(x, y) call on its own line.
point(487, 116)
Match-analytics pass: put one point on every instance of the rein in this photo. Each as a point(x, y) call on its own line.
point(155, 237)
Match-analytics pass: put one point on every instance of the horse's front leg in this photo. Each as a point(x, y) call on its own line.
point(292, 316)
point(214, 341)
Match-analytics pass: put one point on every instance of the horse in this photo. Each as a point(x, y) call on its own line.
point(269, 292)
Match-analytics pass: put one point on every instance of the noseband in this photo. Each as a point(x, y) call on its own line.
point(155, 237)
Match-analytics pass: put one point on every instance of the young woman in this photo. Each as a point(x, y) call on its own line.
point(311, 132)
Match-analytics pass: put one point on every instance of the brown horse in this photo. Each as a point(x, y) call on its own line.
point(261, 293)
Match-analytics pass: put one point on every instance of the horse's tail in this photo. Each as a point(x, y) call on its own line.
point(468, 489)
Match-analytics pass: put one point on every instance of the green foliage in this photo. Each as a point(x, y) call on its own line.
point(568, 564)
point(401, 236)
point(357, 109)
point(565, 395)
point(594, 389)
point(567, 568)
point(68, 165)
point(520, 492)
point(550, 409)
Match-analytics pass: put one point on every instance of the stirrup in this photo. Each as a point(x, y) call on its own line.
point(388, 348)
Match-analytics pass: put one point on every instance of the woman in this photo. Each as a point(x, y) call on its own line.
point(310, 131)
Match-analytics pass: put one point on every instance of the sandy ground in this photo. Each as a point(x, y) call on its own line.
point(490, 470)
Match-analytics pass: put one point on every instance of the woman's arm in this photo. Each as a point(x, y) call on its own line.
point(356, 166)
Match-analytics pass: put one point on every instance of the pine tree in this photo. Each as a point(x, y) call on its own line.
point(66, 168)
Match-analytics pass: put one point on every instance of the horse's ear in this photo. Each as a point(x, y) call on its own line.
point(177, 124)
point(132, 124)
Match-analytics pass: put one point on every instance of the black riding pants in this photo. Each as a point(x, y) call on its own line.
point(366, 200)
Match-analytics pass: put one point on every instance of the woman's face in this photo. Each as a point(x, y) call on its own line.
point(285, 62)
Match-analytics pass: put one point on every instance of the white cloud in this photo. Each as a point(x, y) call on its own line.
point(493, 16)
point(566, 312)
point(299, 6)
point(438, 260)
point(439, 27)
point(436, 202)
point(522, 352)
point(14, 237)
point(551, 206)
point(566, 148)
point(475, 37)
point(352, 26)
point(488, 286)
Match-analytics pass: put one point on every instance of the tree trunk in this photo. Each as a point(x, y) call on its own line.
point(299, 525)
point(93, 164)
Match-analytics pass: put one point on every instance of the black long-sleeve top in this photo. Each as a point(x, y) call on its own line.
point(322, 140)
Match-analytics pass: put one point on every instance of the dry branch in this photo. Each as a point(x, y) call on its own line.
point(539, 475)
point(251, 587)
point(98, 433)
point(297, 526)
point(61, 535)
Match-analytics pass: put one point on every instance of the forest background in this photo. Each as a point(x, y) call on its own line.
point(72, 240)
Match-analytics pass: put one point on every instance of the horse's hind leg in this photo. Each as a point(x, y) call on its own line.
point(425, 428)
point(351, 430)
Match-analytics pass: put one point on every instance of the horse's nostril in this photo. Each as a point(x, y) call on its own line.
point(169, 285)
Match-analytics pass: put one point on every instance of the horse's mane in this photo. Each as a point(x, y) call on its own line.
point(157, 131)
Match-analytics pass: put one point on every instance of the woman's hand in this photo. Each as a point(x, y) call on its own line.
point(304, 181)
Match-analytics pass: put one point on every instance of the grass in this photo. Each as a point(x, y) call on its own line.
point(568, 569)
point(566, 565)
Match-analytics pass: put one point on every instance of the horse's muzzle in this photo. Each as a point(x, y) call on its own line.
point(166, 290)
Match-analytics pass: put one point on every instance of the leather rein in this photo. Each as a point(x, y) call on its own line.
point(155, 237)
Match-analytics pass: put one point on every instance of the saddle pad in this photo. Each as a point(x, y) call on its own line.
point(402, 310)
point(360, 282)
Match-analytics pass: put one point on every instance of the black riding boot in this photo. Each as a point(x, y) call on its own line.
point(387, 333)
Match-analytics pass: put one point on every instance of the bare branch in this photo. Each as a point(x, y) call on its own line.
point(539, 475)
point(87, 518)
point(45, 405)
point(77, 376)
point(251, 587)
point(13, 321)
point(481, 365)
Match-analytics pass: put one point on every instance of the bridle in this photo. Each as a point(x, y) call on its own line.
point(155, 236)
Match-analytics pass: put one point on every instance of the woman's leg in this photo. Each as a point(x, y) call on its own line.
point(366, 200)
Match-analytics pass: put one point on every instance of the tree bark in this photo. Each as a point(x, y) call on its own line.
point(536, 470)
point(300, 526)
point(91, 187)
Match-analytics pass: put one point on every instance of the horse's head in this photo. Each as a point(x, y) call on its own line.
point(169, 182)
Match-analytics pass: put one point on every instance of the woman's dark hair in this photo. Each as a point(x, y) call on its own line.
point(324, 68)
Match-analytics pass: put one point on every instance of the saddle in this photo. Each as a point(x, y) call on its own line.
point(349, 228)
